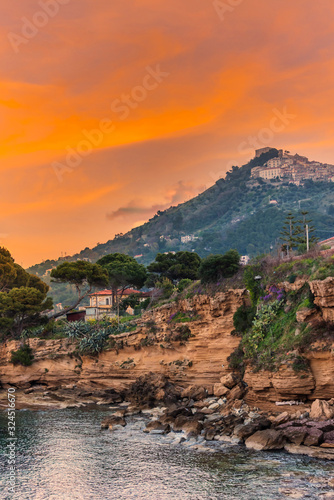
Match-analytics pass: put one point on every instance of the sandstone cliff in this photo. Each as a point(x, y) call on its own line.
point(200, 361)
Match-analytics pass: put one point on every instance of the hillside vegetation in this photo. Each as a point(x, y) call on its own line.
point(234, 213)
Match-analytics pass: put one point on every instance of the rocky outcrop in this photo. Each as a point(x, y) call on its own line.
point(285, 384)
point(200, 361)
point(323, 291)
point(198, 366)
point(152, 389)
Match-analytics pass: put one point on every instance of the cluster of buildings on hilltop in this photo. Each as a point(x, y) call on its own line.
point(293, 168)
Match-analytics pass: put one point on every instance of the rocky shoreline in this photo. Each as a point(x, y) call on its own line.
point(192, 415)
point(202, 418)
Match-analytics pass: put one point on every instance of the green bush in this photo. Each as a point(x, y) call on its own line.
point(253, 285)
point(183, 284)
point(22, 356)
point(243, 318)
point(166, 286)
point(236, 360)
point(217, 267)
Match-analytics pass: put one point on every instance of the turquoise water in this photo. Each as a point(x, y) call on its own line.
point(63, 454)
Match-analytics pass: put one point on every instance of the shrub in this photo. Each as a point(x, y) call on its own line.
point(216, 267)
point(243, 318)
point(300, 364)
point(183, 284)
point(236, 360)
point(253, 285)
point(166, 286)
point(182, 333)
point(22, 356)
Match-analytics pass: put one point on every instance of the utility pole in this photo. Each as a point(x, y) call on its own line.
point(307, 238)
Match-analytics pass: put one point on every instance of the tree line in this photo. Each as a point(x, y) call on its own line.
point(23, 296)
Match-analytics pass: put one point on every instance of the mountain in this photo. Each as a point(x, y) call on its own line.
point(236, 212)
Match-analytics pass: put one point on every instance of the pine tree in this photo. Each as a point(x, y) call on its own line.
point(304, 227)
point(290, 233)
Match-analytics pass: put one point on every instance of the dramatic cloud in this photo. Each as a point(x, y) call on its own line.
point(173, 196)
point(109, 104)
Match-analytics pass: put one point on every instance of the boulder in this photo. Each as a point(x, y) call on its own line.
point(327, 444)
point(210, 434)
point(281, 418)
point(229, 380)
point(180, 422)
point(268, 439)
point(157, 427)
point(329, 436)
point(321, 410)
point(237, 392)
point(195, 392)
point(193, 427)
point(220, 390)
point(214, 406)
point(152, 389)
point(314, 436)
point(243, 431)
point(108, 422)
point(325, 426)
point(295, 435)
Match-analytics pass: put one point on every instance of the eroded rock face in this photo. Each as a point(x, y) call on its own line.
point(290, 384)
point(323, 291)
point(197, 366)
point(306, 315)
point(207, 349)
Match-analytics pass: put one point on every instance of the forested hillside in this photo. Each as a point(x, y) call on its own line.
point(236, 212)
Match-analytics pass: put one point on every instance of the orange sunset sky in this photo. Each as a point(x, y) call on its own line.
point(181, 90)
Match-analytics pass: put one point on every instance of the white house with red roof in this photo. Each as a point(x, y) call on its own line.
point(101, 302)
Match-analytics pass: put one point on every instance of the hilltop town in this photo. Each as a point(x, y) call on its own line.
point(292, 168)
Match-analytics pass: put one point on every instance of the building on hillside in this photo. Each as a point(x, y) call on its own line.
point(259, 152)
point(101, 302)
point(274, 163)
point(270, 173)
point(188, 237)
point(76, 316)
point(244, 259)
